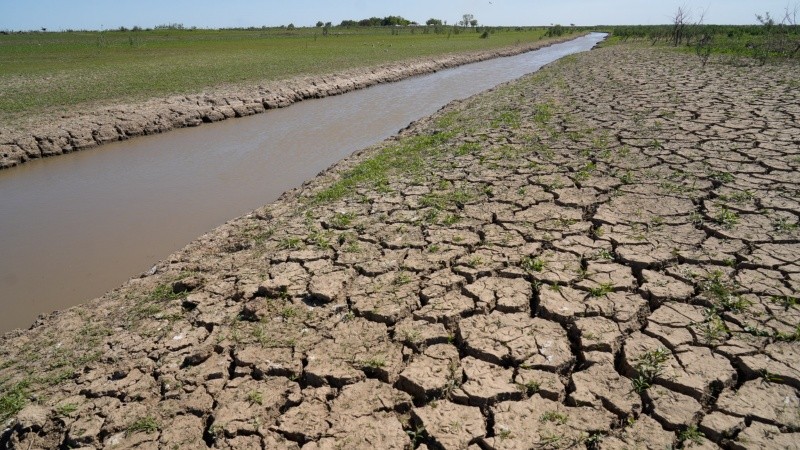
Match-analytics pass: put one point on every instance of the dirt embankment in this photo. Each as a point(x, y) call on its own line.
point(50, 136)
point(602, 255)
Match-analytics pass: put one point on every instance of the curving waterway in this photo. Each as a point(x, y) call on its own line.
point(78, 225)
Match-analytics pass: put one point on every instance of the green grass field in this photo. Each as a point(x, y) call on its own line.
point(54, 72)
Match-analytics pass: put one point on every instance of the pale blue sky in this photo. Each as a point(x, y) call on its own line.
point(97, 14)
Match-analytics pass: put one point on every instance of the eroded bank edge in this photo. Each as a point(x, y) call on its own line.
point(160, 115)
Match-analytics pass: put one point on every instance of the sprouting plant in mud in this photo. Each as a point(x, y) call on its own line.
point(783, 225)
point(417, 435)
point(530, 387)
point(691, 434)
point(290, 243)
point(649, 366)
point(531, 264)
point(146, 424)
point(401, 279)
point(65, 409)
point(713, 328)
point(375, 362)
point(720, 290)
point(343, 219)
point(255, 398)
point(13, 400)
point(602, 289)
point(785, 301)
point(627, 177)
point(554, 416)
point(604, 254)
point(726, 218)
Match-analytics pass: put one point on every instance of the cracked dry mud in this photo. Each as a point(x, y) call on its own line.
point(602, 255)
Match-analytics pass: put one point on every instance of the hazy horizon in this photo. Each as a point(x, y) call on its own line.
point(56, 15)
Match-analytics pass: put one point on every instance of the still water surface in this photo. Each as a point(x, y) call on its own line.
point(78, 225)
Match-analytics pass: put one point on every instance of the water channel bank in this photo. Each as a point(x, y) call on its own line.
point(603, 254)
point(50, 137)
point(79, 225)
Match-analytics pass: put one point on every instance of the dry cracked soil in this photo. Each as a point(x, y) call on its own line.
point(604, 254)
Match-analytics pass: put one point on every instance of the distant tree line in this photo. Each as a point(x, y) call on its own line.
point(388, 21)
point(773, 38)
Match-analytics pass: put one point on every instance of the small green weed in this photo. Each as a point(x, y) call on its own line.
point(784, 336)
point(446, 200)
point(417, 435)
point(783, 225)
point(529, 388)
point(785, 301)
point(604, 254)
point(320, 239)
point(510, 119)
point(343, 220)
point(164, 292)
point(722, 177)
point(533, 264)
point(375, 363)
point(475, 262)
point(738, 197)
point(290, 243)
point(691, 434)
point(770, 377)
point(468, 149)
point(288, 312)
point(726, 218)
point(13, 400)
point(713, 328)
point(602, 289)
point(554, 416)
point(627, 177)
point(401, 279)
point(543, 113)
point(720, 290)
point(451, 219)
point(66, 409)
point(146, 424)
point(648, 367)
point(255, 398)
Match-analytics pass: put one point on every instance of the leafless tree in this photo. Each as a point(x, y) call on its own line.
point(466, 19)
point(679, 21)
point(703, 38)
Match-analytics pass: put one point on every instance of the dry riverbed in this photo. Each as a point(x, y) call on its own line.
point(603, 254)
point(47, 135)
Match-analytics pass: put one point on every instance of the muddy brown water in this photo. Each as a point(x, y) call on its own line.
point(78, 225)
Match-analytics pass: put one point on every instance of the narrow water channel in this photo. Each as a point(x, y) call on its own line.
point(78, 225)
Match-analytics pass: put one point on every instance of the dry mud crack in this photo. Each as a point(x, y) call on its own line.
point(601, 255)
